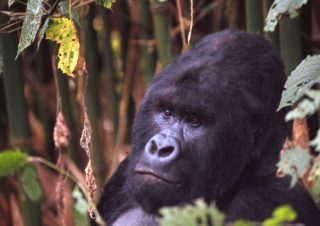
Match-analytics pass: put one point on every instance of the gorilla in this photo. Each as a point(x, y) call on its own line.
point(209, 127)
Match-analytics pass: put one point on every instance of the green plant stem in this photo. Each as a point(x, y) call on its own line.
point(290, 43)
point(72, 178)
point(161, 23)
point(254, 15)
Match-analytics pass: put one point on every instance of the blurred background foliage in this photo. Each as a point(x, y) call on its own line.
point(123, 44)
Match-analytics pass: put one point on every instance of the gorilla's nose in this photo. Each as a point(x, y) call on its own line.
point(162, 148)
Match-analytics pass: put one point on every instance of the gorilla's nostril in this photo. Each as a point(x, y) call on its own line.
point(153, 147)
point(166, 151)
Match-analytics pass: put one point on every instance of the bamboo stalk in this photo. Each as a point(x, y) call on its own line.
point(123, 24)
point(20, 135)
point(254, 16)
point(92, 97)
point(148, 65)
point(161, 23)
point(290, 43)
point(108, 58)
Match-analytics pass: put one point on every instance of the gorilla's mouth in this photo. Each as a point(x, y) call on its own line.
point(150, 173)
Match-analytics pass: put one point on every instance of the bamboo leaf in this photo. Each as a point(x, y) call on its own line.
point(306, 74)
point(42, 31)
point(63, 31)
point(280, 8)
point(11, 161)
point(30, 25)
point(63, 9)
point(30, 183)
point(294, 162)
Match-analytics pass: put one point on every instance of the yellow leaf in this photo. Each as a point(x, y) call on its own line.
point(63, 31)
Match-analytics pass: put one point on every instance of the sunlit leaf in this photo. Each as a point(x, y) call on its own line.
point(30, 25)
point(280, 8)
point(80, 208)
point(316, 141)
point(308, 106)
point(191, 215)
point(306, 74)
point(11, 161)
point(106, 3)
point(30, 183)
point(294, 162)
point(282, 214)
point(63, 31)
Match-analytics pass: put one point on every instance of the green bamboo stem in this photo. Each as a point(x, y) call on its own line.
point(290, 43)
point(113, 98)
point(254, 16)
point(66, 107)
point(161, 23)
point(148, 65)
point(20, 135)
point(92, 98)
point(123, 25)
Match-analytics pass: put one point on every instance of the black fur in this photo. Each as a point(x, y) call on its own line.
point(208, 127)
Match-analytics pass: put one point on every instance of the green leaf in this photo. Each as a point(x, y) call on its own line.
point(306, 74)
point(244, 223)
point(316, 141)
point(63, 31)
point(282, 214)
point(191, 215)
point(11, 161)
point(42, 31)
point(308, 106)
point(294, 162)
point(30, 25)
point(80, 208)
point(30, 183)
point(280, 8)
point(106, 3)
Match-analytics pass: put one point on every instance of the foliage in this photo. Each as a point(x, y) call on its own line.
point(201, 214)
point(190, 215)
point(11, 161)
point(280, 8)
point(280, 215)
point(316, 141)
point(31, 24)
point(63, 31)
point(306, 107)
point(294, 162)
point(106, 3)
point(301, 79)
point(30, 183)
point(80, 208)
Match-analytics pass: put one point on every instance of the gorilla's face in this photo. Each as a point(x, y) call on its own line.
point(183, 136)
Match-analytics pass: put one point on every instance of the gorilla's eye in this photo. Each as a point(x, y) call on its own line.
point(167, 112)
point(194, 121)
